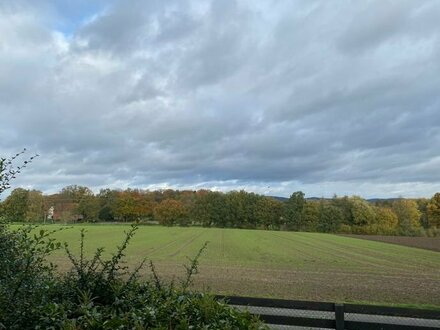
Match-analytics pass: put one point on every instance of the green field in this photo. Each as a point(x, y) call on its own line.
point(289, 265)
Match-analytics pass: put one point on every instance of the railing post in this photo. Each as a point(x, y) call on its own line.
point(339, 316)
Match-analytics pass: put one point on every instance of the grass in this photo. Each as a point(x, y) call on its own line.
point(288, 265)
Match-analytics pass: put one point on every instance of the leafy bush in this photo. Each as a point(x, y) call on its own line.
point(98, 293)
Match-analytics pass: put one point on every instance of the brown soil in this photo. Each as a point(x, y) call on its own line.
point(324, 285)
point(308, 285)
point(427, 243)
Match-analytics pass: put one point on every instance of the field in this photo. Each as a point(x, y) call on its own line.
point(428, 243)
point(307, 266)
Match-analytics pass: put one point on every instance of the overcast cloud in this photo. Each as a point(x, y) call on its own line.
point(269, 96)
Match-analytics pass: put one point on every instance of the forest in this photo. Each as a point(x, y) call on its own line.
point(234, 209)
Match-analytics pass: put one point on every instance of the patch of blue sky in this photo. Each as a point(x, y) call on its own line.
point(72, 14)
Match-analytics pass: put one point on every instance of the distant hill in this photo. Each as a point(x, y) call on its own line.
point(278, 198)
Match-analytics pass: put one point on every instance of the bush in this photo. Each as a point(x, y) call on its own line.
point(97, 293)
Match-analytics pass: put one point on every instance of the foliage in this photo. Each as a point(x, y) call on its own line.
point(235, 209)
point(16, 205)
point(433, 208)
point(25, 276)
point(268, 213)
point(170, 212)
point(329, 218)
point(294, 209)
point(8, 170)
point(408, 216)
point(98, 293)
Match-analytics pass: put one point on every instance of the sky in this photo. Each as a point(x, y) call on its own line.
point(327, 97)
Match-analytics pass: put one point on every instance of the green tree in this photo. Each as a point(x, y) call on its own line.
point(35, 206)
point(107, 204)
point(16, 205)
point(345, 205)
point(294, 209)
point(329, 218)
point(240, 207)
point(268, 212)
point(88, 208)
point(310, 216)
point(209, 209)
point(433, 211)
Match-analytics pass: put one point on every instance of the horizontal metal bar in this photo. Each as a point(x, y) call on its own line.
point(392, 311)
point(297, 321)
point(354, 325)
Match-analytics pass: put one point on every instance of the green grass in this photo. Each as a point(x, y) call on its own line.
point(278, 264)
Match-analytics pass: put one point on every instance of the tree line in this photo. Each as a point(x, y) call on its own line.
point(235, 209)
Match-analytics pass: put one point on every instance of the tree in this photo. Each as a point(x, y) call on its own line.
point(293, 210)
point(75, 192)
point(433, 210)
point(126, 208)
point(209, 209)
point(88, 208)
point(363, 215)
point(240, 206)
point(16, 205)
point(170, 212)
point(309, 216)
point(386, 222)
point(107, 204)
point(408, 216)
point(345, 205)
point(35, 206)
point(268, 212)
point(329, 218)
point(422, 205)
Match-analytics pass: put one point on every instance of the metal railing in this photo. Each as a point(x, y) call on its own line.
point(337, 316)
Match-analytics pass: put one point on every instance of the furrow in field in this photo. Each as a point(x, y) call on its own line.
point(301, 252)
point(390, 252)
point(344, 253)
point(187, 243)
point(377, 258)
point(166, 245)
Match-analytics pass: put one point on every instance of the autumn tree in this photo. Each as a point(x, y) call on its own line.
point(170, 212)
point(386, 222)
point(126, 208)
point(408, 215)
point(363, 215)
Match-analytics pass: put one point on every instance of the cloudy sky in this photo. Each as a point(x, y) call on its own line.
point(269, 96)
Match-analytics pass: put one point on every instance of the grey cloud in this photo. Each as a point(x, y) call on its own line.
point(228, 95)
